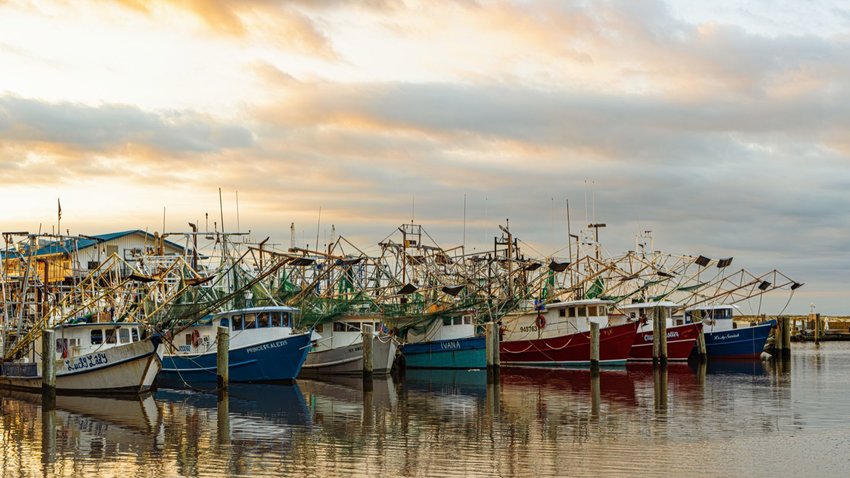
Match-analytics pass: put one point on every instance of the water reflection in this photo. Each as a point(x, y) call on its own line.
point(676, 420)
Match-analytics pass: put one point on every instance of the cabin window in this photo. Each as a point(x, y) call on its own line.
point(286, 321)
point(96, 337)
point(124, 336)
point(339, 326)
point(250, 321)
point(562, 312)
point(591, 311)
point(188, 339)
point(353, 327)
point(263, 319)
point(110, 336)
point(467, 320)
point(603, 310)
point(572, 311)
point(237, 322)
point(447, 321)
point(135, 334)
point(276, 319)
point(224, 323)
point(582, 311)
point(366, 325)
point(633, 315)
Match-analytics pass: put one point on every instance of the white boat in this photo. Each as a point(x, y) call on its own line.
point(93, 358)
point(338, 348)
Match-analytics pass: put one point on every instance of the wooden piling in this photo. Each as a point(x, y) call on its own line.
point(497, 359)
point(786, 336)
point(368, 338)
point(223, 356)
point(223, 417)
point(816, 318)
point(662, 335)
point(594, 347)
point(702, 351)
point(489, 353)
point(779, 337)
point(48, 363)
point(656, 344)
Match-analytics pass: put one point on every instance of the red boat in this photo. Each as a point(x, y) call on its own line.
point(681, 341)
point(681, 336)
point(615, 343)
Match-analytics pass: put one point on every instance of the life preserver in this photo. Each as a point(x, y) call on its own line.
point(196, 338)
point(540, 321)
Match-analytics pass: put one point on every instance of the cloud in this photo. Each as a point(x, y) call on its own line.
point(115, 127)
point(281, 22)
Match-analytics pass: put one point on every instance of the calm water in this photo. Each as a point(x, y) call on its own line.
point(726, 419)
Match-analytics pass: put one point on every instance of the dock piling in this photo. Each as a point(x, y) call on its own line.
point(779, 337)
point(223, 356)
point(702, 353)
point(489, 353)
point(48, 365)
point(594, 347)
point(662, 335)
point(368, 337)
point(786, 336)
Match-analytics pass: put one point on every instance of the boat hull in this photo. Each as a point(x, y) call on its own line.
point(465, 353)
point(277, 360)
point(615, 343)
point(126, 369)
point(348, 360)
point(681, 341)
point(743, 342)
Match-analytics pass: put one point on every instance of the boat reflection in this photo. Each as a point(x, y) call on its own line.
point(95, 427)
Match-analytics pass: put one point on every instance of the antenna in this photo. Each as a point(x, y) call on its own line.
point(586, 217)
point(412, 208)
point(464, 222)
point(292, 235)
point(238, 227)
point(221, 210)
point(163, 219)
point(318, 225)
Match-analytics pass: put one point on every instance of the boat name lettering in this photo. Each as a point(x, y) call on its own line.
point(530, 328)
point(726, 336)
point(670, 335)
point(454, 345)
point(86, 361)
point(260, 348)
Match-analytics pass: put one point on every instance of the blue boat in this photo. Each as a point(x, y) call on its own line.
point(465, 353)
point(723, 339)
point(262, 348)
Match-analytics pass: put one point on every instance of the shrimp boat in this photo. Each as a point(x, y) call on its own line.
point(449, 342)
point(263, 347)
point(558, 334)
point(93, 358)
point(681, 335)
point(339, 348)
point(723, 338)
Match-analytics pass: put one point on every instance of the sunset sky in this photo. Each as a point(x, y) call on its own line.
point(723, 127)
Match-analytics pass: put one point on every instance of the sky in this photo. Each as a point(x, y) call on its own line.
point(720, 126)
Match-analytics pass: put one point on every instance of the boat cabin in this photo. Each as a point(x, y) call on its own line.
point(344, 331)
point(557, 319)
point(446, 328)
point(73, 340)
point(645, 312)
point(247, 326)
point(713, 317)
